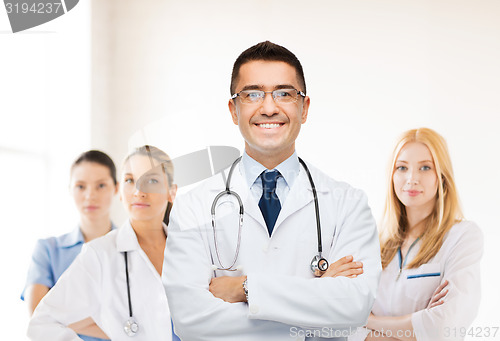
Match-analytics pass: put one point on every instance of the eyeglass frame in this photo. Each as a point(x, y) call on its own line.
point(299, 92)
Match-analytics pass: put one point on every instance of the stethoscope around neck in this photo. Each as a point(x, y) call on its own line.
point(318, 263)
point(130, 327)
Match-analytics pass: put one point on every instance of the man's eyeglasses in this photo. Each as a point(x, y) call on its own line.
point(279, 96)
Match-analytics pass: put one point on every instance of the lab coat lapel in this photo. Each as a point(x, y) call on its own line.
point(240, 186)
point(126, 240)
point(249, 203)
point(299, 196)
point(253, 210)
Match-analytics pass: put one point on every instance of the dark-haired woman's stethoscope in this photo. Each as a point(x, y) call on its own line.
point(318, 263)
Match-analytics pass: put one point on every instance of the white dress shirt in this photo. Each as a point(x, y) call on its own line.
point(95, 286)
point(289, 170)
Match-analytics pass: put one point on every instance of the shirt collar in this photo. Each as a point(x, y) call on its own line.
point(76, 237)
point(73, 238)
point(289, 169)
point(126, 240)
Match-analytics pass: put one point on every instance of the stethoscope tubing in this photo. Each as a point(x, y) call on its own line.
point(125, 254)
point(227, 191)
point(316, 206)
point(131, 327)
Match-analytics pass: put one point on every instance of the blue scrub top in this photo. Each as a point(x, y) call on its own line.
point(52, 256)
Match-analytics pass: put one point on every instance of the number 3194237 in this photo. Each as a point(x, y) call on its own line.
point(478, 332)
point(35, 8)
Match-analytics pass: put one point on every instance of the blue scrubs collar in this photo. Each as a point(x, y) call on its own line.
point(75, 237)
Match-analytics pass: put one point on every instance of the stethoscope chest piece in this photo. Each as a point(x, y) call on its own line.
point(318, 265)
point(131, 327)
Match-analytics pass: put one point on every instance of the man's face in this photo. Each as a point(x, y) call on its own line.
point(269, 128)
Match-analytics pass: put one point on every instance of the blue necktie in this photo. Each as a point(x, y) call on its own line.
point(269, 203)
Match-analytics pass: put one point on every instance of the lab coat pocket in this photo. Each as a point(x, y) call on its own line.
point(421, 283)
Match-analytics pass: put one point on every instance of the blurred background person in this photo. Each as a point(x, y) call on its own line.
point(93, 185)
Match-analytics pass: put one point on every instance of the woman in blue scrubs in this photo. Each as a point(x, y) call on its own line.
point(93, 185)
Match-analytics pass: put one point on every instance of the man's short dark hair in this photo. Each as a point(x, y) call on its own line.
point(267, 51)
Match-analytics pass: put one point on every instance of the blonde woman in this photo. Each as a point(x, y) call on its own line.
point(116, 279)
point(430, 284)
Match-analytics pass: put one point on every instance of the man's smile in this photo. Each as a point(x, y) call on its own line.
point(269, 125)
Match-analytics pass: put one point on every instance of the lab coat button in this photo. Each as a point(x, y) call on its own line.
point(254, 309)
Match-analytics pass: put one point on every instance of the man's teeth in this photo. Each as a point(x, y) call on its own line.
point(269, 125)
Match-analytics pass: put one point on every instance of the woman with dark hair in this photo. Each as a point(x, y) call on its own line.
point(116, 279)
point(93, 185)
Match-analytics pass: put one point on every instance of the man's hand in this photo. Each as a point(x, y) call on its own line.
point(229, 289)
point(344, 267)
point(438, 294)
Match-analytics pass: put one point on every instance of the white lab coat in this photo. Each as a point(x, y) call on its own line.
point(458, 261)
point(95, 285)
point(285, 300)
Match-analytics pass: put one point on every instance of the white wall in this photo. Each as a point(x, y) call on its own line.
point(44, 125)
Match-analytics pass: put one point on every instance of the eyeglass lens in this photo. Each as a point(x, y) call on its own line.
point(280, 95)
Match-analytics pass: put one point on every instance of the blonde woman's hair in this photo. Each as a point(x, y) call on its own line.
point(446, 211)
point(157, 154)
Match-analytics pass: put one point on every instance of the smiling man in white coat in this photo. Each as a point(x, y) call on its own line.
point(272, 291)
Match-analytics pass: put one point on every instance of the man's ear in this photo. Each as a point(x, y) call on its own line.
point(233, 110)
point(305, 108)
